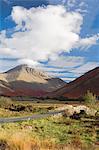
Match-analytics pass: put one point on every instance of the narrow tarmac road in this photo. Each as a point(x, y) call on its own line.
point(36, 116)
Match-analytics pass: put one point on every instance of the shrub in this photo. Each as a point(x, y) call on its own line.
point(89, 98)
point(5, 102)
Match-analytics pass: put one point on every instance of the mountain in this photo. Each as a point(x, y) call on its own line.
point(25, 81)
point(78, 87)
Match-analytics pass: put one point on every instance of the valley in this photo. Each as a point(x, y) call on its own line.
point(40, 112)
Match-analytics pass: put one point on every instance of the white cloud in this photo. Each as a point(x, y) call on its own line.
point(70, 66)
point(62, 66)
point(6, 65)
point(85, 67)
point(77, 72)
point(42, 34)
point(66, 61)
point(29, 62)
point(71, 3)
point(50, 69)
point(87, 42)
point(46, 31)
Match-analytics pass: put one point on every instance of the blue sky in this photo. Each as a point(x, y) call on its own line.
point(60, 37)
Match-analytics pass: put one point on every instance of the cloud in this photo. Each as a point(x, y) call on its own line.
point(87, 42)
point(6, 64)
point(71, 3)
point(85, 67)
point(29, 62)
point(62, 66)
point(66, 61)
point(41, 32)
point(70, 67)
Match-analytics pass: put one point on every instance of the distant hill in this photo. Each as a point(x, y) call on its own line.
point(25, 81)
point(78, 87)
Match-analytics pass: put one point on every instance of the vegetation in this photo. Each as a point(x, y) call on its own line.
point(89, 98)
point(49, 134)
point(10, 108)
point(52, 133)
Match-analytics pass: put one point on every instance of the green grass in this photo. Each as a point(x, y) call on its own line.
point(49, 133)
point(61, 131)
point(9, 108)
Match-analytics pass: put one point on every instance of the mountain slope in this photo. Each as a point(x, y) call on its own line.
point(25, 81)
point(78, 87)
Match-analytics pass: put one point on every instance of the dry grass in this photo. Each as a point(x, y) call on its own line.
point(46, 134)
point(22, 141)
point(22, 137)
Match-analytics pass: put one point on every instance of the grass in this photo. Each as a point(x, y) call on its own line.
point(49, 133)
point(52, 133)
point(9, 108)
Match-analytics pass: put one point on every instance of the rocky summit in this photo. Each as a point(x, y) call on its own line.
point(26, 81)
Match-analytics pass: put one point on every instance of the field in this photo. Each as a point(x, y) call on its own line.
point(51, 133)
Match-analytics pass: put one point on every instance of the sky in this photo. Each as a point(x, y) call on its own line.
point(60, 37)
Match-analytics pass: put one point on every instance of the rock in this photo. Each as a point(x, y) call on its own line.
point(70, 110)
point(88, 111)
point(75, 116)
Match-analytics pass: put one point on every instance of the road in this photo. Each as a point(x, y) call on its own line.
point(36, 116)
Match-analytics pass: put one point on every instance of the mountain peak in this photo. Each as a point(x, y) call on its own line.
point(18, 68)
point(27, 73)
point(25, 80)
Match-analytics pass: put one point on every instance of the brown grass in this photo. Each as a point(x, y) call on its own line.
point(22, 141)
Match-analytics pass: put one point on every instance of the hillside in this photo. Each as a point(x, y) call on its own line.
point(25, 81)
point(78, 87)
